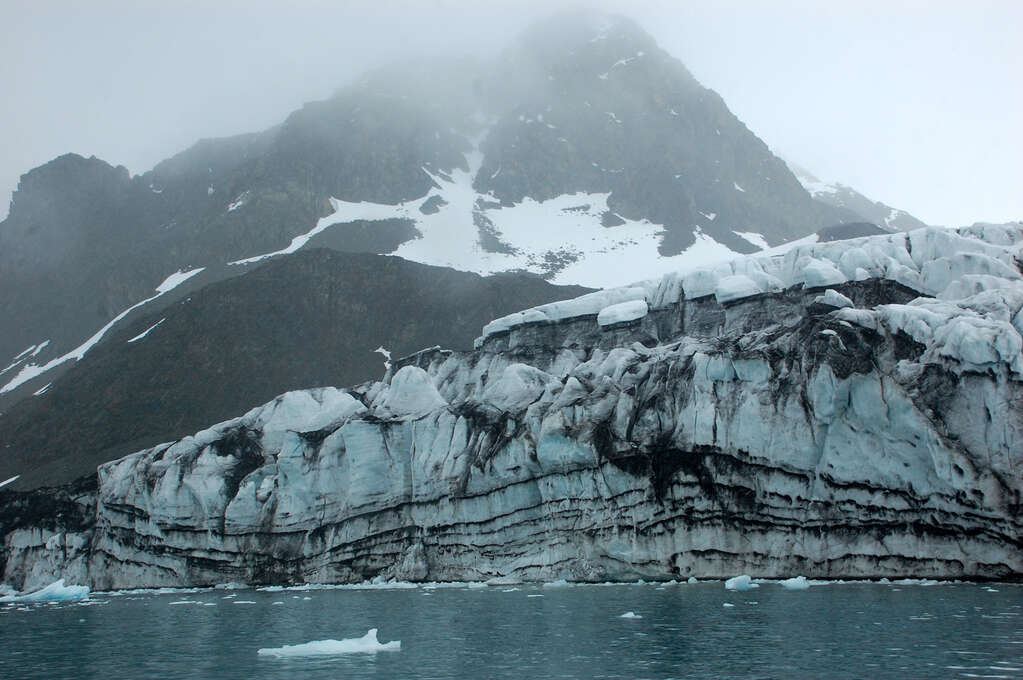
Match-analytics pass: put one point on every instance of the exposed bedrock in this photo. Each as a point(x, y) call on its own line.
point(849, 430)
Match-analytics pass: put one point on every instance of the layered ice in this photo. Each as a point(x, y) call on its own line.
point(367, 644)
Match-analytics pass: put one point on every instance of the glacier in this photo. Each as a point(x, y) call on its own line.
point(850, 409)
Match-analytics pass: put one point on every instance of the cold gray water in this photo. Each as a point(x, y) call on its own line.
point(685, 631)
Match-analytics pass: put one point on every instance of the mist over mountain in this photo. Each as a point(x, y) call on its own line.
point(582, 152)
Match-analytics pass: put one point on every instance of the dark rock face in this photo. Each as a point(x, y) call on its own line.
point(843, 197)
point(591, 104)
point(311, 319)
point(841, 232)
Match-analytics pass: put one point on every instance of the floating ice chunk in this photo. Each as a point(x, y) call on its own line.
point(743, 582)
point(367, 644)
point(737, 187)
point(630, 615)
point(56, 591)
point(833, 298)
point(727, 604)
point(796, 583)
point(736, 287)
point(622, 312)
point(692, 579)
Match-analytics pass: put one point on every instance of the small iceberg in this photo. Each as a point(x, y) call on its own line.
point(630, 615)
point(367, 644)
point(743, 582)
point(797, 583)
point(54, 592)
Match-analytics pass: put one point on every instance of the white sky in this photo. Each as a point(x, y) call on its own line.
point(917, 104)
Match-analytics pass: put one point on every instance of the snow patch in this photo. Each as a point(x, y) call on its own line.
point(753, 237)
point(238, 202)
point(387, 356)
point(8, 481)
point(147, 331)
point(42, 390)
point(31, 371)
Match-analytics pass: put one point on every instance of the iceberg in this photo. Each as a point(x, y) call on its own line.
point(743, 582)
point(796, 583)
point(367, 644)
point(54, 592)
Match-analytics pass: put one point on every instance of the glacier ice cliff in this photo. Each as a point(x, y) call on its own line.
point(845, 409)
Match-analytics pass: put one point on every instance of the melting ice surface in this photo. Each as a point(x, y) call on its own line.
point(367, 644)
point(835, 630)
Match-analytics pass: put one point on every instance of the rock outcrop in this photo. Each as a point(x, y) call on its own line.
point(847, 409)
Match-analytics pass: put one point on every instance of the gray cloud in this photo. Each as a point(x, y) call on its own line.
point(914, 103)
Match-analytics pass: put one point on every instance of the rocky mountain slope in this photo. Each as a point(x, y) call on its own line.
point(309, 319)
point(843, 409)
point(841, 196)
point(583, 153)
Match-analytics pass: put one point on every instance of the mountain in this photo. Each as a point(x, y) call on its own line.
point(840, 410)
point(309, 319)
point(583, 153)
point(841, 196)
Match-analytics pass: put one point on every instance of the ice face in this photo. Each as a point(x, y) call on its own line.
point(750, 430)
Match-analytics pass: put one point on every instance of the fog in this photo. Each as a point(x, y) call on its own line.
point(916, 104)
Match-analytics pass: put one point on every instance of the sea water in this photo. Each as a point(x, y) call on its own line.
point(702, 630)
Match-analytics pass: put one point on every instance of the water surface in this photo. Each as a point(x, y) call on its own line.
point(681, 631)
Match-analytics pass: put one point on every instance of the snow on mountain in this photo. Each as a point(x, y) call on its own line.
point(31, 371)
point(839, 410)
point(565, 232)
point(842, 196)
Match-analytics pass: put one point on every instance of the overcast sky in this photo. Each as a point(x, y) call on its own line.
point(917, 104)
